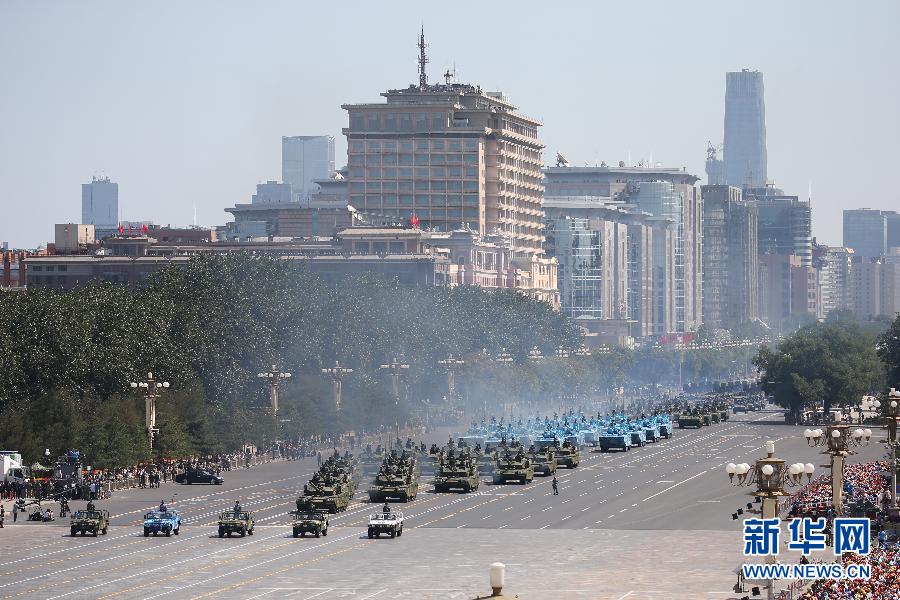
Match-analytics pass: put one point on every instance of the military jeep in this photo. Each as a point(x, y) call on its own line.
point(236, 522)
point(315, 523)
point(90, 521)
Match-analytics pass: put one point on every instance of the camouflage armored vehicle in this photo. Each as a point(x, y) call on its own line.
point(324, 493)
point(513, 467)
point(315, 523)
point(457, 473)
point(544, 461)
point(485, 461)
point(344, 469)
point(705, 418)
point(398, 479)
point(236, 521)
point(567, 455)
point(691, 419)
point(90, 521)
point(714, 416)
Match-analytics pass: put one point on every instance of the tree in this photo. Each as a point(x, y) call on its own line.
point(833, 363)
point(889, 352)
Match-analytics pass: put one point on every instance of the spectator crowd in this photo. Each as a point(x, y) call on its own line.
point(866, 482)
point(884, 583)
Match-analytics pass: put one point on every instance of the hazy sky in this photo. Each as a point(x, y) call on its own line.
point(186, 102)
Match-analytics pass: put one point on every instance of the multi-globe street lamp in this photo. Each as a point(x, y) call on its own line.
point(152, 390)
point(273, 378)
point(891, 412)
point(534, 354)
point(836, 440)
point(396, 368)
point(769, 475)
point(337, 374)
point(452, 364)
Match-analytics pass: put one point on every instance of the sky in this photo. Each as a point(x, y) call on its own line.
point(183, 104)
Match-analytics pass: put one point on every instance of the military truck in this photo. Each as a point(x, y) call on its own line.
point(544, 461)
point(236, 521)
point(398, 479)
point(315, 523)
point(567, 456)
point(513, 467)
point(89, 521)
point(457, 473)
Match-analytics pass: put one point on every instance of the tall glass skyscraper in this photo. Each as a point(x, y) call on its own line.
point(745, 130)
point(866, 231)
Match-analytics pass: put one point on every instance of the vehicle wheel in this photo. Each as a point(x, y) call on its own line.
point(75, 532)
point(221, 532)
point(187, 481)
point(296, 534)
point(393, 533)
point(325, 532)
point(318, 534)
point(243, 531)
point(83, 533)
point(229, 534)
point(94, 533)
point(168, 533)
point(371, 535)
point(399, 533)
point(250, 532)
point(104, 529)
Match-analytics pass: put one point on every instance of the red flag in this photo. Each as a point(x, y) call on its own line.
point(144, 228)
point(121, 229)
point(414, 221)
point(129, 229)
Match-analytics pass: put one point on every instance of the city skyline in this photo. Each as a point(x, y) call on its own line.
point(199, 118)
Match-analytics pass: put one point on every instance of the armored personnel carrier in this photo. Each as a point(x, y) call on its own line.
point(398, 479)
point(344, 469)
point(513, 467)
point(692, 419)
point(457, 472)
point(544, 461)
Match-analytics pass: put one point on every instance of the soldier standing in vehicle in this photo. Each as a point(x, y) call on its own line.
point(555, 485)
point(385, 509)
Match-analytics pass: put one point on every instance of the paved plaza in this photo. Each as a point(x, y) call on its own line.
point(652, 523)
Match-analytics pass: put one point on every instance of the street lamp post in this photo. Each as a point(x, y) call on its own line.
point(891, 412)
point(396, 369)
point(837, 439)
point(273, 378)
point(452, 364)
point(337, 373)
point(151, 389)
point(769, 475)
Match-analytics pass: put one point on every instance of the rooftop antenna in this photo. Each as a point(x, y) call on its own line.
point(195, 213)
point(423, 60)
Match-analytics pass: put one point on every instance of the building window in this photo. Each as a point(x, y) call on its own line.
point(361, 247)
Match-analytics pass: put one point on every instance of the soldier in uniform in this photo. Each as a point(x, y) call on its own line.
point(237, 507)
point(555, 485)
point(385, 509)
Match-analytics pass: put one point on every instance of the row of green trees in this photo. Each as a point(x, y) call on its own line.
point(66, 359)
point(832, 364)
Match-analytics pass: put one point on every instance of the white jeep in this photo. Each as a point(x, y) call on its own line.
point(390, 523)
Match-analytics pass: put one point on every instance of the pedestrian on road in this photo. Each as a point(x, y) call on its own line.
point(555, 486)
point(15, 511)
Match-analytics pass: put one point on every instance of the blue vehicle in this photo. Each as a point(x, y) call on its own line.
point(615, 438)
point(156, 522)
point(638, 438)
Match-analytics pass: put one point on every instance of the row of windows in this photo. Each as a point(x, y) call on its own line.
point(50, 268)
point(452, 144)
point(419, 185)
point(410, 172)
point(420, 159)
point(430, 216)
point(418, 121)
point(470, 200)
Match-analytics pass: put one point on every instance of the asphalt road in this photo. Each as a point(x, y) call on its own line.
point(652, 523)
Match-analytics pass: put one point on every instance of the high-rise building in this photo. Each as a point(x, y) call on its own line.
point(448, 156)
point(745, 130)
point(866, 231)
point(304, 159)
point(784, 223)
point(667, 193)
point(834, 264)
point(616, 265)
point(875, 288)
point(715, 167)
point(730, 258)
point(775, 296)
point(893, 229)
point(100, 205)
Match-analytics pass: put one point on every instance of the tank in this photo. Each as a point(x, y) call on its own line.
point(544, 461)
point(614, 438)
point(567, 456)
point(397, 479)
point(513, 467)
point(457, 472)
point(325, 495)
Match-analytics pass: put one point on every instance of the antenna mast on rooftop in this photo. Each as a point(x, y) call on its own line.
point(423, 60)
